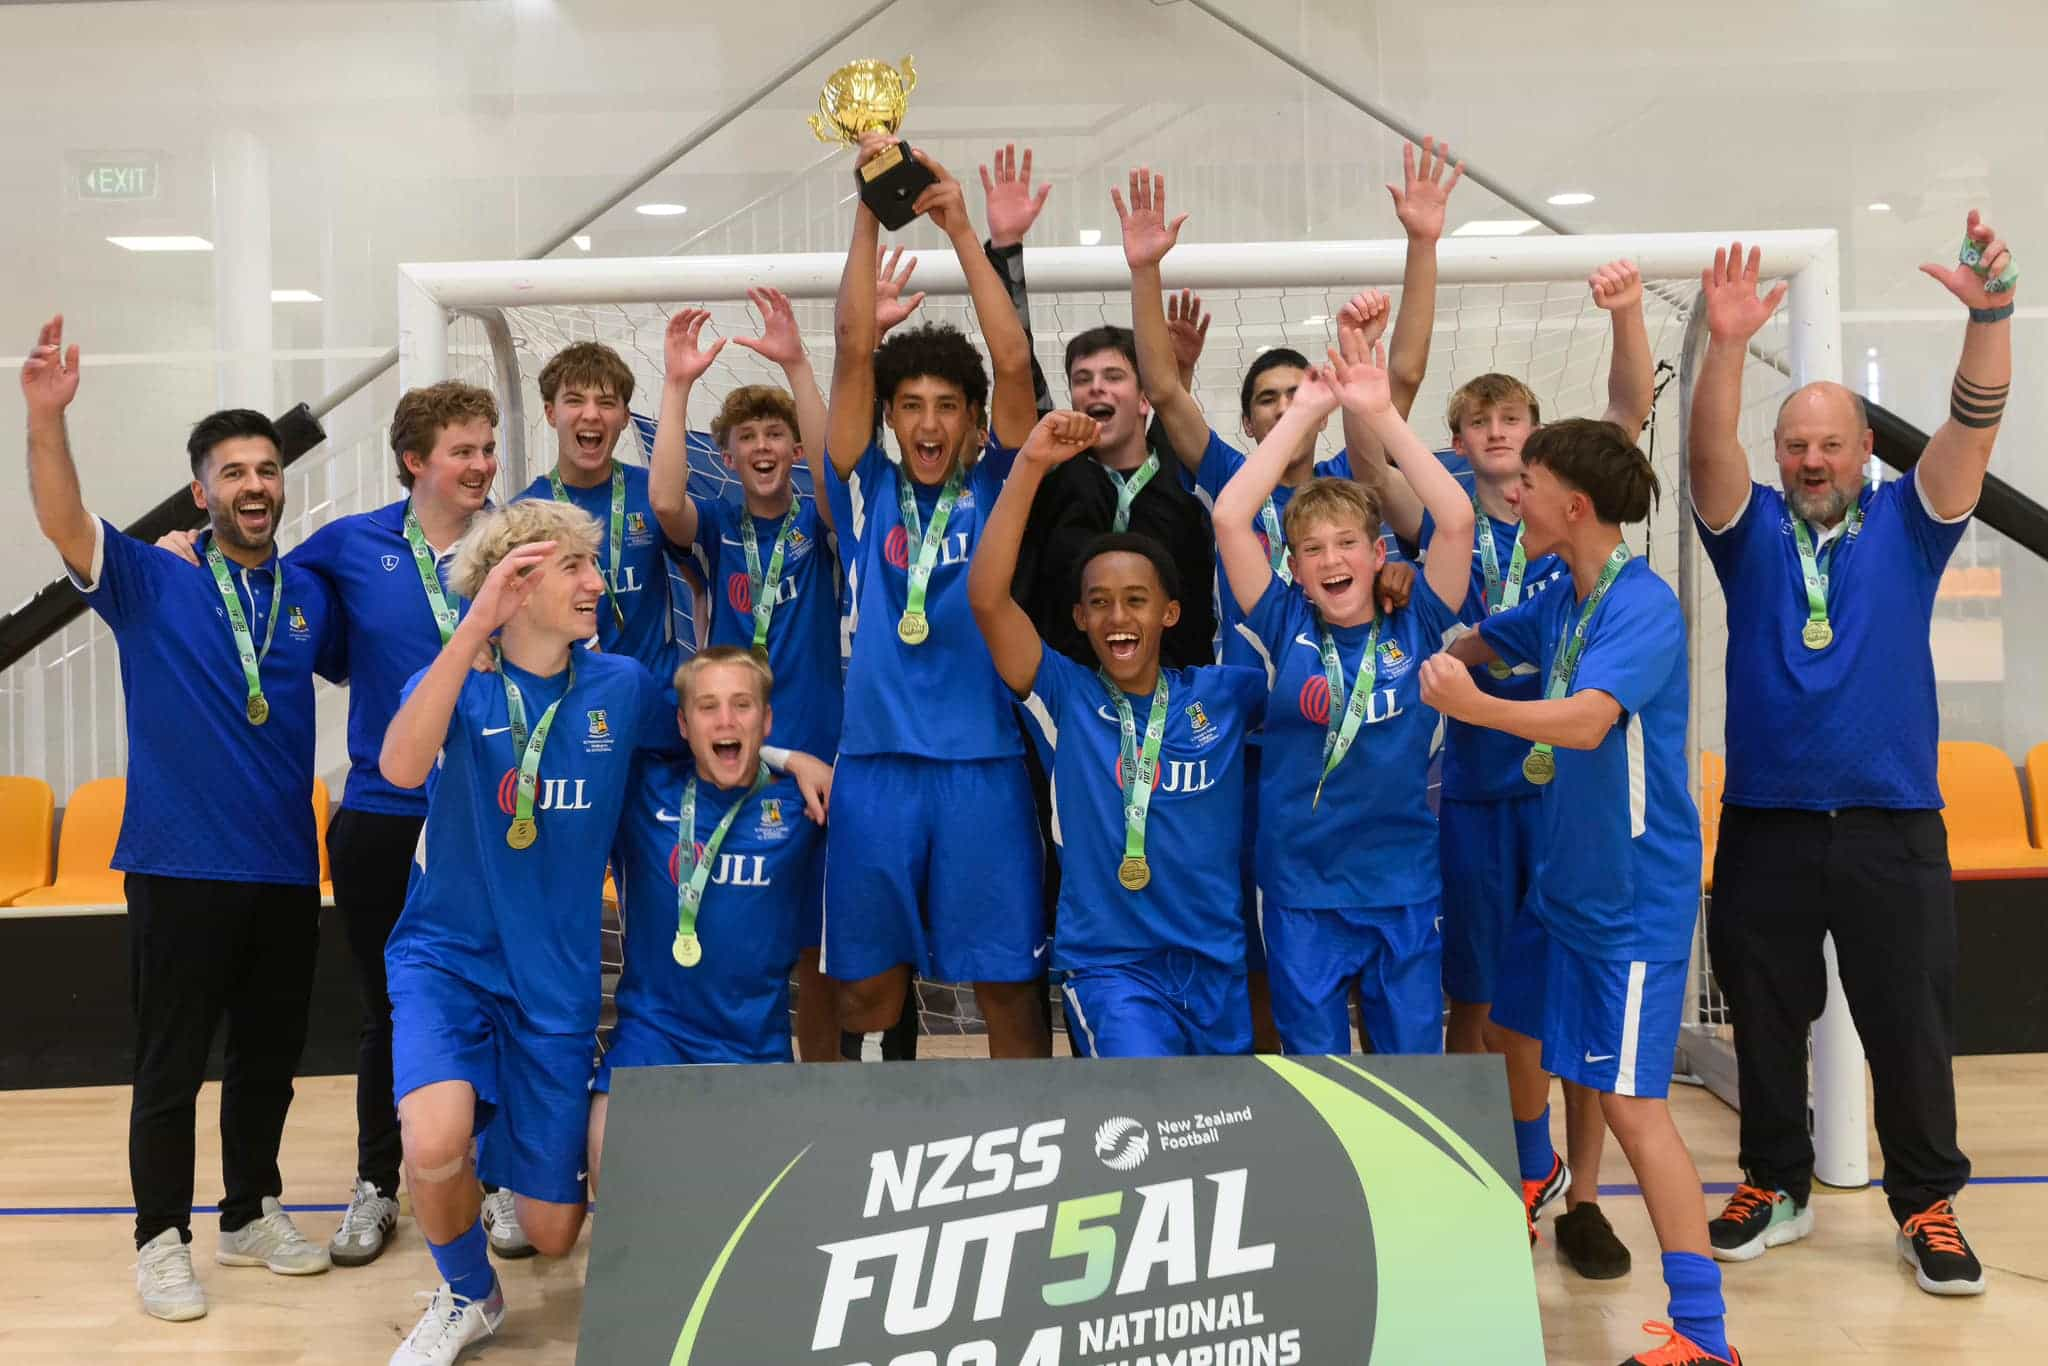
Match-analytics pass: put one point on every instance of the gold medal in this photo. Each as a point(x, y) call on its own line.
point(1499, 669)
point(522, 834)
point(259, 710)
point(1539, 767)
point(761, 653)
point(913, 628)
point(1818, 635)
point(688, 950)
point(1134, 873)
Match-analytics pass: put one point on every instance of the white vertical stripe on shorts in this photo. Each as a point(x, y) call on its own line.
point(1638, 792)
point(1631, 1031)
point(1080, 1016)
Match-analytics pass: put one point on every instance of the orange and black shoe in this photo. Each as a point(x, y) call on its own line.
point(1536, 1195)
point(1940, 1256)
point(1678, 1350)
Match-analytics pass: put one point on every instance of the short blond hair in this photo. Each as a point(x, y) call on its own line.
point(711, 657)
point(1475, 396)
point(1332, 500)
point(749, 403)
point(587, 365)
point(498, 532)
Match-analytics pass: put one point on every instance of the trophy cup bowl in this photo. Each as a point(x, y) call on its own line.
point(869, 96)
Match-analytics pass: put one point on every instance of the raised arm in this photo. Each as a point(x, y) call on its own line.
point(1420, 203)
point(1187, 327)
point(1631, 373)
point(1013, 410)
point(49, 381)
point(1012, 640)
point(1245, 565)
point(1148, 236)
point(1715, 458)
point(851, 423)
point(1951, 470)
point(1012, 207)
point(684, 361)
point(1359, 326)
point(781, 344)
point(1364, 386)
point(416, 734)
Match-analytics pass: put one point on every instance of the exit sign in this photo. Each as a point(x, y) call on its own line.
point(129, 178)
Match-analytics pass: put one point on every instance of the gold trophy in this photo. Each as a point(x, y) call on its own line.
point(868, 96)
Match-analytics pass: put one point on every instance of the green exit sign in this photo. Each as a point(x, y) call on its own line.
point(116, 180)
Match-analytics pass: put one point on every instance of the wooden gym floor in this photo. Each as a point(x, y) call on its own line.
point(1841, 1295)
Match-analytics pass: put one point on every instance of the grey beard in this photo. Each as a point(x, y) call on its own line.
point(1823, 509)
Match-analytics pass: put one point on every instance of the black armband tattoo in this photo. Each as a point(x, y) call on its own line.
point(1977, 405)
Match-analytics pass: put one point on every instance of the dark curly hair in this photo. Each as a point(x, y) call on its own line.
point(1129, 543)
point(936, 351)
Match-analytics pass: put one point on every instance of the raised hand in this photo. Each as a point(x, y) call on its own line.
point(1357, 375)
point(1317, 392)
point(891, 307)
point(1972, 283)
point(49, 377)
point(942, 201)
point(1368, 313)
point(682, 350)
point(509, 584)
point(1618, 284)
point(1148, 236)
point(1734, 312)
point(1012, 204)
point(1187, 326)
point(1395, 585)
point(1059, 437)
point(779, 343)
point(1420, 199)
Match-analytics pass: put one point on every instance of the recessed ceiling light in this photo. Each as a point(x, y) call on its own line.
point(661, 210)
point(582, 241)
point(1495, 227)
point(1091, 237)
point(1571, 199)
point(1878, 206)
point(1315, 320)
point(1871, 352)
point(294, 296)
point(162, 243)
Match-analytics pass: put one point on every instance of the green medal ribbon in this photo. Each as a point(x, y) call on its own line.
point(1500, 594)
point(430, 575)
point(688, 951)
point(1340, 732)
point(258, 710)
point(1818, 634)
point(914, 627)
point(1276, 543)
point(528, 748)
point(1540, 765)
point(616, 540)
point(1139, 766)
point(1127, 490)
point(764, 588)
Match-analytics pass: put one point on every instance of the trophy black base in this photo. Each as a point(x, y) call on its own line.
point(891, 183)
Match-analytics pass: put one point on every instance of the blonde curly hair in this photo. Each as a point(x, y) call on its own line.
point(498, 531)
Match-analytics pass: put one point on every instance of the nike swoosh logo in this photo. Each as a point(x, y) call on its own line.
point(1102, 710)
point(496, 730)
point(1038, 952)
point(668, 818)
point(1604, 1057)
point(1315, 645)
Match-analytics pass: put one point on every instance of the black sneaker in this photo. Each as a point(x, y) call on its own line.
point(1587, 1241)
point(1939, 1254)
point(1755, 1219)
point(1538, 1194)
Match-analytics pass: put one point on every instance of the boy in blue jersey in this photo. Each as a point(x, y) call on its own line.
point(1147, 780)
point(217, 837)
point(1347, 848)
point(1831, 822)
point(584, 391)
point(935, 861)
point(719, 863)
point(1616, 894)
point(774, 579)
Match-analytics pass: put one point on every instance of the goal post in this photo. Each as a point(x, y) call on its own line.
point(1518, 305)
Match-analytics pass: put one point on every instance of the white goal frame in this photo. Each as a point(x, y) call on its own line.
point(431, 296)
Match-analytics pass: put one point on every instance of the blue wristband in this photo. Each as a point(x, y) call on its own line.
point(1991, 315)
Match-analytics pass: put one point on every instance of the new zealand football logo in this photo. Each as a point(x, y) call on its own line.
point(1122, 1144)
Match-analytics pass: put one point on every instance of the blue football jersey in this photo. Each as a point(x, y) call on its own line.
point(1194, 830)
point(1619, 873)
point(942, 699)
point(642, 577)
point(210, 795)
point(733, 1006)
point(1371, 841)
point(523, 924)
point(803, 632)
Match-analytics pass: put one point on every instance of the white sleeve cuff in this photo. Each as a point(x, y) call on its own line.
point(1935, 517)
point(91, 581)
point(776, 757)
point(1724, 530)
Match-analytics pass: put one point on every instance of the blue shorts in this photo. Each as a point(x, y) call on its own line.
point(1612, 1025)
point(532, 1088)
point(1167, 1005)
point(1521, 981)
point(1489, 857)
point(1254, 940)
point(638, 1042)
point(1392, 955)
point(938, 865)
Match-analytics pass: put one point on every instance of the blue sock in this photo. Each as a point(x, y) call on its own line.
point(1532, 1146)
point(1696, 1304)
point(465, 1262)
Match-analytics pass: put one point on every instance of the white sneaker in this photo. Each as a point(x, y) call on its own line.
point(501, 1226)
point(450, 1324)
point(273, 1241)
point(370, 1221)
point(163, 1277)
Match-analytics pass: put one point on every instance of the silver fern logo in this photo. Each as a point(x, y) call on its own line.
point(1122, 1143)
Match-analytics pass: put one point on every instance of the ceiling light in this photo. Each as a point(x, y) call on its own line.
point(1878, 206)
point(162, 243)
point(1315, 320)
point(582, 241)
point(1872, 352)
point(1571, 199)
point(661, 210)
point(294, 296)
point(1091, 237)
point(1495, 227)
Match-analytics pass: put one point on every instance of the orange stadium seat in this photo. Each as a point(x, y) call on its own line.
point(28, 813)
point(1987, 826)
point(320, 809)
point(2037, 792)
point(1713, 777)
point(85, 850)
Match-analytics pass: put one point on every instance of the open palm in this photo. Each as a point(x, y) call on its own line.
point(1734, 312)
point(1963, 281)
point(1357, 375)
point(49, 377)
point(1148, 235)
point(779, 343)
point(686, 358)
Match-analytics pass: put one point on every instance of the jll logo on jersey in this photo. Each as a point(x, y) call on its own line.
point(731, 870)
point(896, 548)
point(740, 593)
point(553, 794)
point(1315, 703)
point(1173, 775)
point(626, 581)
